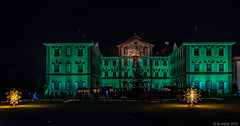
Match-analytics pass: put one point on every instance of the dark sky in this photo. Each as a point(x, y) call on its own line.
point(27, 24)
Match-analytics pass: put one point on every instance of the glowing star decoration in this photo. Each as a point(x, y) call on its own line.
point(13, 97)
point(192, 96)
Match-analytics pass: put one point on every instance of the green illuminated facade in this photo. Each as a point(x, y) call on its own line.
point(203, 65)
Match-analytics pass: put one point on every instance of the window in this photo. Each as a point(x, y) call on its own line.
point(209, 67)
point(196, 52)
point(156, 62)
point(164, 63)
point(114, 62)
point(106, 74)
point(125, 62)
point(114, 74)
point(80, 84)
point(209, 84)
point(221, 85)
point(68, 85)
point(125, 51)
point(196, 67)
point(164, 74)
point(68, 67)
point(209, 52)
point(221, 52)
point(56, 85)
point(56, 67)
point(144, 62)
point(80, 52)
point(80, 68)
point(156, 74)
point(106, 63)
point(125, 74)
point(145, 74)
point(220, 67)
point(145, 51)
point(68, 51)
point(135, 62)
point(56, 52)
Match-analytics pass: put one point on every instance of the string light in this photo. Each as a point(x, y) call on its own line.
point(13, 97)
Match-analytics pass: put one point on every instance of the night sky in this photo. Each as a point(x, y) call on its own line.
point(27, 24)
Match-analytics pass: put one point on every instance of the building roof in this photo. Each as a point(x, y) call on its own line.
point(135, 37)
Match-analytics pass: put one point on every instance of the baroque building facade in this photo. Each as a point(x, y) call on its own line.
point(203, 65)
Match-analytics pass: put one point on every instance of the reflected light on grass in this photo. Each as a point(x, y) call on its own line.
point(24, 106)
point(208, 106)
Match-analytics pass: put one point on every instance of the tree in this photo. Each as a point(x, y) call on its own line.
point(42, 85)
point(138, 77)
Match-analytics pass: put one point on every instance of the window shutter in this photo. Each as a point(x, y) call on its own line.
point(225, 85)
point(224, 51)
point(60, 67)
point(217, 85)
point(154, 62)
point(217, 52)
point(76, 51)
point(84, 49)
point(83, 68)
point(60, 85)
point(192, 51)
point(76, 85)
point(224, 67)
point(122, 62)
point(52, 67)
point(52, 51)
point(60, 51)
point(200, 85)
point(192, 67)
point(205, 51)
point(212, 51)
point(147, 62)
point(200, 51)
point(217, 67)
point(52, 85)
point(193, 84)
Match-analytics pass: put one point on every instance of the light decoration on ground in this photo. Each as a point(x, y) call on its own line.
point(192, 96)
point(13, 96)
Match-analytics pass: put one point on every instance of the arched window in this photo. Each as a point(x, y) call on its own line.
point(68, 67)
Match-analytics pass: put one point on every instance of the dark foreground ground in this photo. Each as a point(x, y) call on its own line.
point(173, 113)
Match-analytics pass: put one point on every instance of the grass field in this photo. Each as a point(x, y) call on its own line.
point(98, 113)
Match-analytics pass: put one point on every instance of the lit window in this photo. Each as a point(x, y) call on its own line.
point(56, 67)
point(80, 68)
point(209, 84)
point(56, 85)
point(80, 52)
point(68, 51)
point(144, 62)
point(220, 52)
point(56, 52)
point(68, 85)
point(80, 84)
point(125, 51)
point(209, 52)
point(164, 63)
point(196, 52)
point(145, 51)
point(221, 85)
point(209, 67)
point(220, 67)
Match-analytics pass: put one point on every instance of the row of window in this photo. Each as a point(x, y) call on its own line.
point(79, 67)
point(125, 51)
point(199, 84)
point(178, 70)
point(208, 52)
point(144, 74)
point(208, 67)
point(107, 61)
point(178, 56)
point(57, 52)
point(57, 85)
point(157, 63)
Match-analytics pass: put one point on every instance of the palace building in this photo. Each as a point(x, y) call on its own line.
point(203, 65)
